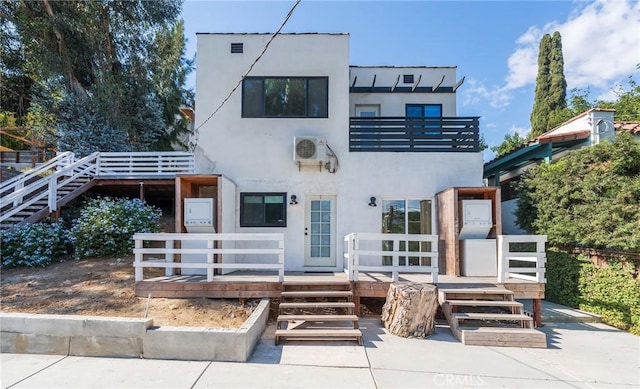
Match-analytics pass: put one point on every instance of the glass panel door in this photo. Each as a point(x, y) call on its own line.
point(320, 231)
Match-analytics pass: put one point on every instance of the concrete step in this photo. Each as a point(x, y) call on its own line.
point(320, 334)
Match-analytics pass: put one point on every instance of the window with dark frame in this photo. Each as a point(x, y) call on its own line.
point(263, 209)
point(407, 79)
point(285, 97)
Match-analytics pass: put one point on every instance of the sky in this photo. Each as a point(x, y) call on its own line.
point(494, 44)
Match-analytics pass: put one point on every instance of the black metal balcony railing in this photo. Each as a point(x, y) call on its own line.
point(407, 134)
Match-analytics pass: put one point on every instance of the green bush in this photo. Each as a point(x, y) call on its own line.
point(106, 226)
point(610, 291)
point(31, 245)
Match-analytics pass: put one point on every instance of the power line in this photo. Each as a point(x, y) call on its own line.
point(264, 50)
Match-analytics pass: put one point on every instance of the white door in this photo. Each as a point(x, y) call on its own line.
point(320, 231)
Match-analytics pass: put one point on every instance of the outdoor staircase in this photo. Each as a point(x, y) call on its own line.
point(489, 317)
point(39, 209)
point(317, 311)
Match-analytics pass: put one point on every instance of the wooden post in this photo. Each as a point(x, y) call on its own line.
point(537, 313)
point(410, 309)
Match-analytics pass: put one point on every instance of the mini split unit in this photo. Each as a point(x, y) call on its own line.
point(309, 150)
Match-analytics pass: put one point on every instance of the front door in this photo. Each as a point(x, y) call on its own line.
point(320, 231)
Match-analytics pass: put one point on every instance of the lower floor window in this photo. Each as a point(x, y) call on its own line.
point(406, 217)
point(263, 210)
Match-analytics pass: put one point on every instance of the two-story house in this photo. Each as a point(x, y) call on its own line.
point(317, 149)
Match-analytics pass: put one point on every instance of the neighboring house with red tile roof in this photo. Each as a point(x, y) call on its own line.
point(585, 129)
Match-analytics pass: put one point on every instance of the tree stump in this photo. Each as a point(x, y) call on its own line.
point(410, 309)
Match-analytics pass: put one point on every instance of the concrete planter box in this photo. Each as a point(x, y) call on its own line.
point(123, 337)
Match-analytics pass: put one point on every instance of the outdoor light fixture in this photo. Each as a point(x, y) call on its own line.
point(372, 202)
point(294, 200)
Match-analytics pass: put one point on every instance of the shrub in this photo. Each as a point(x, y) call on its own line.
point(610, 291)
point(33, 245)
point(106, 226)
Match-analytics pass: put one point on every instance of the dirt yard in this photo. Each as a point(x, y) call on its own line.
point(105, 287)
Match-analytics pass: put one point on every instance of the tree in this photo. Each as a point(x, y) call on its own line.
point(510, 143)
point(589, 197)
point(116, 61)
point(551, 86)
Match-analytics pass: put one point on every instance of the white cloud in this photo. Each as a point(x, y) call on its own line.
point(477, 91)
point(522, 131)
point(600, 45)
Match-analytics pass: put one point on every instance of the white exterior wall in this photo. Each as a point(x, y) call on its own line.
point(257, 153)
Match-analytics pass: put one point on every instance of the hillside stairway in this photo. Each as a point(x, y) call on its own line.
point(489, 317)
point(37, 192)
point(317, 311)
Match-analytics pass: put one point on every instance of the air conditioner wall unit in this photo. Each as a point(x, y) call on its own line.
point(308, 149)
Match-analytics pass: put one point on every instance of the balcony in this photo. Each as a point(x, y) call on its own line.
point(409, 134)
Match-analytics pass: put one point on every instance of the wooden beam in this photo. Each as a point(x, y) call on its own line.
point(395, 83)
point(437, 85)
point(415, 85)
point(457, 85)
point(537, 312)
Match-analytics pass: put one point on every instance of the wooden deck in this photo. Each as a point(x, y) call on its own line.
point(242, 284)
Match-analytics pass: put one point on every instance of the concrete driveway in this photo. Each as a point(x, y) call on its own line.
point(580, 355)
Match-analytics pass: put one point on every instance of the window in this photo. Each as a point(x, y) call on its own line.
point(263, 210)
point(418, 114)
point(407, 79)
point(406, 217)
point(237, 48)
point(285, 97)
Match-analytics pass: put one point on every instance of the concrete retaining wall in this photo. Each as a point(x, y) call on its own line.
point(121, 337)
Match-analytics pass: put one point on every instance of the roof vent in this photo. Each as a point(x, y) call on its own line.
point(237, 48)
point(407, 78)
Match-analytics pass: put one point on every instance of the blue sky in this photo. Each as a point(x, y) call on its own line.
point(493, 43)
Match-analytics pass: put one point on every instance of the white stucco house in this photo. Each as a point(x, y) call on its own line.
point(314, 148)
point(586, 129)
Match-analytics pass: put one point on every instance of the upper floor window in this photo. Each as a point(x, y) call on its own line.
point(294, 97)
point(423, 110)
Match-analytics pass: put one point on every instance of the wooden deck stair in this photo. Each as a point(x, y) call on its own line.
point(489, 317)
point(317, 311)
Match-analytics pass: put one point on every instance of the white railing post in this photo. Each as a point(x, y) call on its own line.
point(348, 256)
point(19, 186)
point(503, 258)
point(541, 263)
point(356, 257)
point(281, 259)
point(209, 260)
point(98, 163)
point(395, 260)
point(53, 193)
point(137, 263)
point(169, 257)
point(159, 165)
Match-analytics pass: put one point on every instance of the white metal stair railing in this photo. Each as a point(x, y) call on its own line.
point(538, 258)
point(356, 248)
point(48, 181)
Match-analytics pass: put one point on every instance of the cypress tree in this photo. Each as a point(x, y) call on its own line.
point(549, 107)
point(541, 108)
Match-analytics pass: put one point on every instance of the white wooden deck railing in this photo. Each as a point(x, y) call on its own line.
point(147, 164)
point(355, 251)
point(538, 258)
point(169, 251)
point(44, 181)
